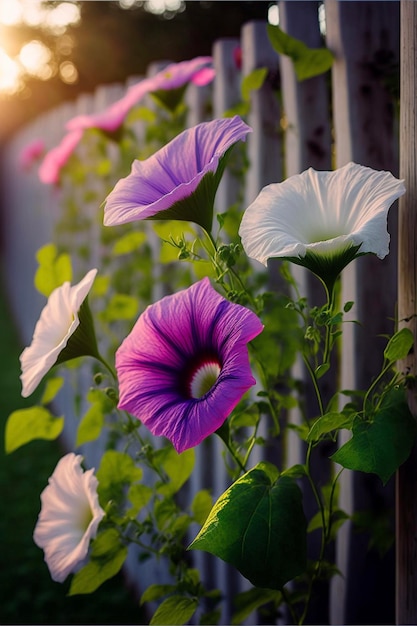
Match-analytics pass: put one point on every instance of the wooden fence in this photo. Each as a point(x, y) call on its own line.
point(349, 114)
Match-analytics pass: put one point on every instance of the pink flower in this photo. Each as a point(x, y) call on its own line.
point(55, 159)
point(175, 75)
point(31, 153)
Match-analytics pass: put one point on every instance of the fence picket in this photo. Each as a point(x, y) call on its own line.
point(364, 126)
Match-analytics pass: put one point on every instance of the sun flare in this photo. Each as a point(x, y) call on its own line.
point(34, 58)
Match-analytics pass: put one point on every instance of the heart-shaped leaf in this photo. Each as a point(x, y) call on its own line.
point(381, 446)
point(258, 525)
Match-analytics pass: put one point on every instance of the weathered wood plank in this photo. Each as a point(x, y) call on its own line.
point(406, 501)
point(364, 36)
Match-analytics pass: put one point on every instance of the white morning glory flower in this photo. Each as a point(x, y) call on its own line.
point(69, 517)
point(58, 321)
point(319, 218)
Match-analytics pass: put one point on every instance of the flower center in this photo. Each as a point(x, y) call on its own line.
point(203, 378)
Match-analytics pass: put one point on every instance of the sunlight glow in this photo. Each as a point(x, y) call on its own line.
point(68, 72)
point(11, 12)
point(10, 74)
point(35, 58)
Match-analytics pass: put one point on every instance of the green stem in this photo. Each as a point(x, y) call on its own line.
point(315, 384)
point(107, 366)
point(224, 433)
point(374, 384)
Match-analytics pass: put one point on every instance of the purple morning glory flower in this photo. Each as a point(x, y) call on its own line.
point(180, 180)
point(185, 366)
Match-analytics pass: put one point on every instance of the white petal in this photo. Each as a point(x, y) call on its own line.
point(57, 322)
point(321, 212)
point(69, 517)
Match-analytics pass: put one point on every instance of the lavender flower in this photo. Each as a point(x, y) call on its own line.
point(180, 180)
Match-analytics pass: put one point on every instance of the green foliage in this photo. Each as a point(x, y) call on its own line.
point(329, 424)
point(259, 505)
point(107, 557)
point(253, 82)
point(92, 422)
point(399, 345)
point(121, 306)
point(52, 387)
point(178, 468)
point(247, 602)
point(54, 269)
point(175, 610)
point(129, 242)
point(25, 425)
point(117, 469)
point(201, 506)
point(308, 62)
point(380, 446)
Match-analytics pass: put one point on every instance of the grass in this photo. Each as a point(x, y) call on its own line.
point(27, 593)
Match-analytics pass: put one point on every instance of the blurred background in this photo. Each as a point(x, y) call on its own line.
point(51, 52)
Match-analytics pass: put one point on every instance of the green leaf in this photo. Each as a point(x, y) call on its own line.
point(121, 307)
point(175, 610)
point(92, 422)
point(253, 81)
point(201, 506)
point(381, 446)
point(178, 468)
point(248, 601)
point(399, 345)
point(322, 369)
point(53, 385)
point(107, 557)
point(53, 269)
point(308, 62)
point(328, 423)
point(90, 425)
point(258, 506)
point(154, 592)
point(117, 469)
point(25, 425)
point(129, 242)
point(139, 496)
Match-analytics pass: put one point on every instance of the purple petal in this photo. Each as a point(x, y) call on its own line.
point(174, 172)
point(156, 361)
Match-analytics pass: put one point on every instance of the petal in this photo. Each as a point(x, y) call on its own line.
point(172, 77)
point(169, 337)
point(55, 159)
point(57, 322)
point(69, 516)
point(321, 212)
point(173, 173)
